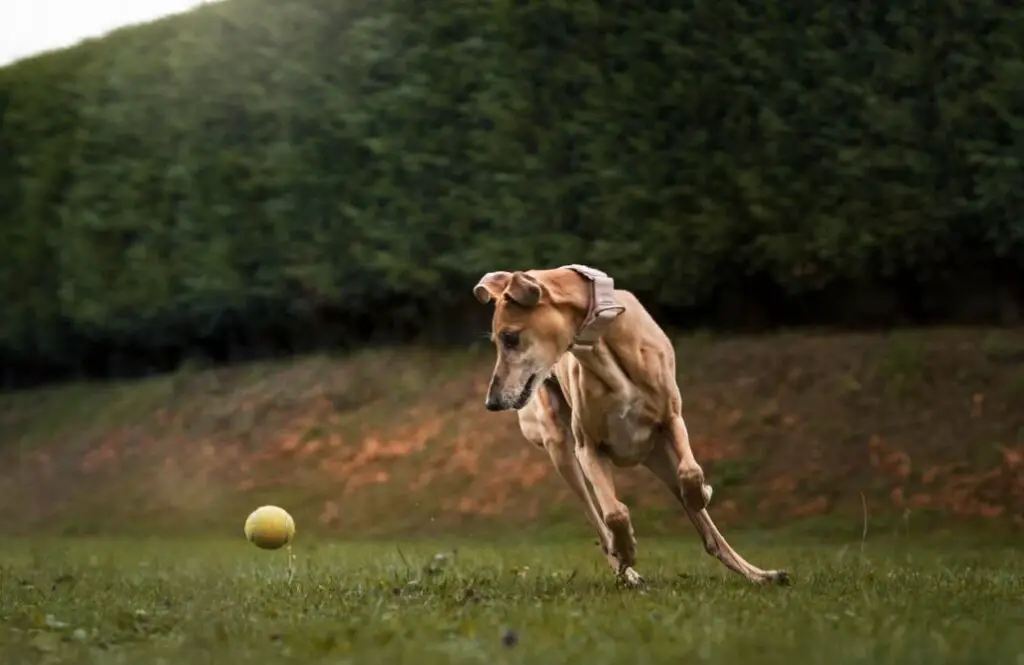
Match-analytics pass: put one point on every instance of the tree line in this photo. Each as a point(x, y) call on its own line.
point(258, 176)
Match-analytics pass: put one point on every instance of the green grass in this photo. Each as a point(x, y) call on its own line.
point(897, 600)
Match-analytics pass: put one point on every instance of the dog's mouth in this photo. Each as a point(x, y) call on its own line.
point(525, 395)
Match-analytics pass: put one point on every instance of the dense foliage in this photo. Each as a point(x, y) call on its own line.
point(259, 169)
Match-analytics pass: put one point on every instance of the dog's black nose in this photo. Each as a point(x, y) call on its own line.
point(492, 404)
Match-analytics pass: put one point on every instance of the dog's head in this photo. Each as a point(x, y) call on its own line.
point(531, 328)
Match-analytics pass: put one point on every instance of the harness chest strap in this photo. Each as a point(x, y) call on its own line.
point(603, 309)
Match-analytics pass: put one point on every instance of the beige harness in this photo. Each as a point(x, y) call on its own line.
point(604, 308)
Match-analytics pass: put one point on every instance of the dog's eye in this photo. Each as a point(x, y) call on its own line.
point(509, 340)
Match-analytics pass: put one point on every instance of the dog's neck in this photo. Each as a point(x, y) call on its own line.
point(596, 299)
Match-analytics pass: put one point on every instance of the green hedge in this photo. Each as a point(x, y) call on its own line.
point(268, 160)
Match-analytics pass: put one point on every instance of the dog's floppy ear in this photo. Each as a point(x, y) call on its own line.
point(523, 290)
point(491, 285)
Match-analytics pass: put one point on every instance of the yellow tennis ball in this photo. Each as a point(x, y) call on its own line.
point(269, 527)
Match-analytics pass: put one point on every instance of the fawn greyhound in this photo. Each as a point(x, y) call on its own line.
point(593, 379)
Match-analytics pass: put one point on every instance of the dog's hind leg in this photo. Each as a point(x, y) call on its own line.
point(664, 463)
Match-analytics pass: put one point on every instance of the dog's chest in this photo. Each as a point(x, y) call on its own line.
point(628, 434)
point(617, 422)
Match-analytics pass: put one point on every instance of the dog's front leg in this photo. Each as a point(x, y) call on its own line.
point(696, 493)
point(546, 421)
point(569, 469)
point(598, 470)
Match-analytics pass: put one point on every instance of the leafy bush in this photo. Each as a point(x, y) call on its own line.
point(262, 163)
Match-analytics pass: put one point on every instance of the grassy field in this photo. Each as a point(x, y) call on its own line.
point(920, 434)
point(550, 600)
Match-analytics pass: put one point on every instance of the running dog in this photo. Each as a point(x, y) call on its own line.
point(592, 377)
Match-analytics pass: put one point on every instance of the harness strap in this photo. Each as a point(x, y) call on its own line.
point(603, 309)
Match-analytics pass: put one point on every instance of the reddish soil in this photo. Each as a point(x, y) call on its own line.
point(398, 441)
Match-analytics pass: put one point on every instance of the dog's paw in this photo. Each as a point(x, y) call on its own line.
point(630, 578)
point(695, 492)
point(773, 577)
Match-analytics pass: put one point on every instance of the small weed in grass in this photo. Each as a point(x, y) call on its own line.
point(187, 602)
point(901, 364)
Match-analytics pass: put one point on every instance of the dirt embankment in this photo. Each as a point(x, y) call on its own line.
point(399, 442)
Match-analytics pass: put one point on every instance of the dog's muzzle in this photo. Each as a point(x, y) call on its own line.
point(525, 395)
point(495, 403)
